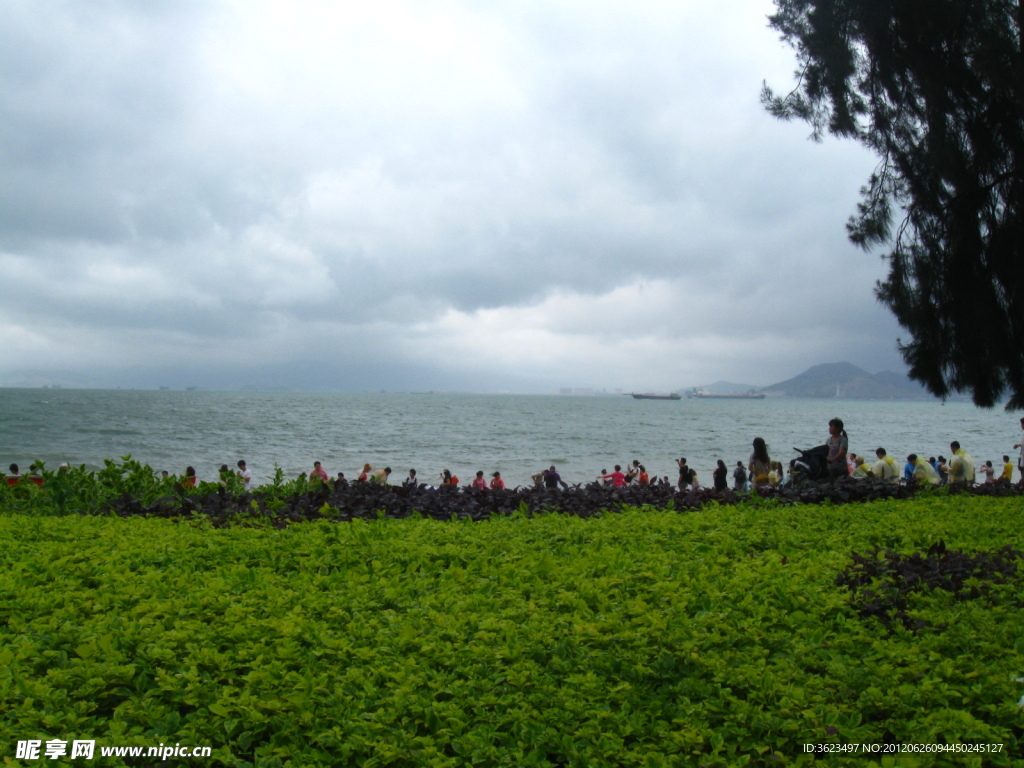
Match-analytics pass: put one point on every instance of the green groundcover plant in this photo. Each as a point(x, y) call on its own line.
point(724, 636)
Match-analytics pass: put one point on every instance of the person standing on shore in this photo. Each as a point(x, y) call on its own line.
point(319, 474)
point(838, 445)
point(1007, 470)
point(245, 474)
point(721, 476)
point(760, 465)
point(643, 478)
point(685, 474)
point(739, 477)
point(552, 479)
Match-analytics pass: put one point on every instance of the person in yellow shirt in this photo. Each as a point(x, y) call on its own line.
point(961, 466)
point(885, 467)
point(860, 468)
point(923, 471)
point(1007, 470)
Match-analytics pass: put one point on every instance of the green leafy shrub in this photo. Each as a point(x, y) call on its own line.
point(708, 638)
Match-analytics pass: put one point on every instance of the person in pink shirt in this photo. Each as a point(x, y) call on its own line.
point(478, 481)
point(319, 474)
point(618, 479)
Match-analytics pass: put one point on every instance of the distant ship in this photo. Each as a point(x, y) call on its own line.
point(751, 395)
point(648, 396)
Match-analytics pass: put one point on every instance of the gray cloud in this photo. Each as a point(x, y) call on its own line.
point(208, 187)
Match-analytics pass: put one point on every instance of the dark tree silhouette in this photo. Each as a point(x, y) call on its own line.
point(936, 89)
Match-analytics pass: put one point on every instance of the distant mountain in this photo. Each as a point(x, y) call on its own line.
point(845, 380)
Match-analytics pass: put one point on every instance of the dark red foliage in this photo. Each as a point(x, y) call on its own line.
point(369, 501)
point(881, 581)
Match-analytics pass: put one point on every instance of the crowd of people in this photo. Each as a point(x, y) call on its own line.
point(14, 476)
point(831, 461)
point(838, 461)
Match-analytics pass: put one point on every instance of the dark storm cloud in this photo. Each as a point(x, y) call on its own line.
point(212, 184)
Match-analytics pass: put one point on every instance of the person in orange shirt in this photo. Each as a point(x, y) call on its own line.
point(497, 484)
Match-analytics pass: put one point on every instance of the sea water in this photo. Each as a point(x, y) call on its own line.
point(517, 435)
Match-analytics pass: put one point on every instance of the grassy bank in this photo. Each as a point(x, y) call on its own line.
point(716, 637)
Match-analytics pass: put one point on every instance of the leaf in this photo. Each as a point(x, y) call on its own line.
point(86, 650)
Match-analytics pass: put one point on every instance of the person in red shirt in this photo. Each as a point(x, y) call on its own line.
point(189, 481)
point(319, 474)
point(618, 479)
point(497, 484)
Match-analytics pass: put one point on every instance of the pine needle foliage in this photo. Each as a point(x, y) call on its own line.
point(936, 90)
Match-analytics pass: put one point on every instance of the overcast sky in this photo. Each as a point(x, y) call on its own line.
point(446, 194)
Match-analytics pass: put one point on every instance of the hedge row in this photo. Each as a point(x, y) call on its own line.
point(130, 489)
